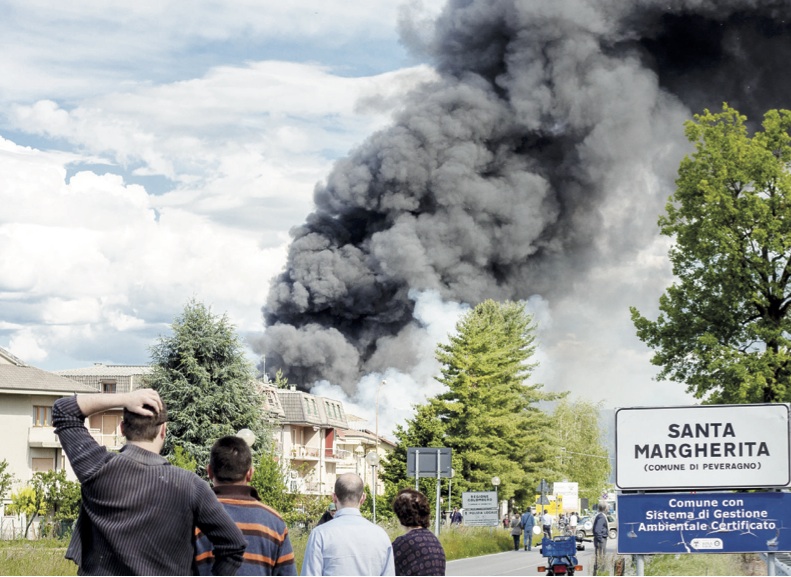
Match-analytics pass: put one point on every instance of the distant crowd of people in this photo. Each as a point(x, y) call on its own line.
point(142, 516)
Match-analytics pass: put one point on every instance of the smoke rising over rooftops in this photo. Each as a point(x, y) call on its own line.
point(536, 165)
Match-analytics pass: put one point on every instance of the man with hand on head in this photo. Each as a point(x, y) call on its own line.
point(350, 545)
point(138, 511)
point(269, 549)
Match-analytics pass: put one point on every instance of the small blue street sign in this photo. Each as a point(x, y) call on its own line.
point(704, 523)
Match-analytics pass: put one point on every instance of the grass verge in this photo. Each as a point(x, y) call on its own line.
point(45, 556)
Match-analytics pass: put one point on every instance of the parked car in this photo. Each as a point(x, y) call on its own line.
point(585, 527)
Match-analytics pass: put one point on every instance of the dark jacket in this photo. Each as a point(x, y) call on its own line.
point(138, 511)
point(600, 526)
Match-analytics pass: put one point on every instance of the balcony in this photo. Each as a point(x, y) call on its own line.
point(43, 437)
point(112, 441)
point(303, 453)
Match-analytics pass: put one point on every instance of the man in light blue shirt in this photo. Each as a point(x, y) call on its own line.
point(350, 545)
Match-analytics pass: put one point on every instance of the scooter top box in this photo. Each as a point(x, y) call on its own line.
point(559, 546)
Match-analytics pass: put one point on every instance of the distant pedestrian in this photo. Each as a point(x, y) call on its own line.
point(418, 552)
point(516, 530)
point(600, 532)
point(573, 520)
point(269, 550)
point(546, 524)
point(455, 517)
point(506, 521)
point(350, 545)
point(328, 515)
point(528, 522)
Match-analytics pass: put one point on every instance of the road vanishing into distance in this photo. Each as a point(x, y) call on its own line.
point(519, 562)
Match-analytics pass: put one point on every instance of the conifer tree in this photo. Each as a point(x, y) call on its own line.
point(206, 382)
point(489, 411)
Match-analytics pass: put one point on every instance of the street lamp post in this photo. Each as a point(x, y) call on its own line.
point(375, 467)
point(372, 458)
point(496, 483)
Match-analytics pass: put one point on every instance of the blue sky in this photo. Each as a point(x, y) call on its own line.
point(154, 152)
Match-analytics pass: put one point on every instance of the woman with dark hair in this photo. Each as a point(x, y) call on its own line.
point(418, 552)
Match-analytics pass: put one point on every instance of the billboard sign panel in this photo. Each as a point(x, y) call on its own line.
point(569, 494)
point(423, 460)
point(655, 523)
point(702, 447)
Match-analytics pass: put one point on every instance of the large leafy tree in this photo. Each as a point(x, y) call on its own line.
point(723, 328)
point(489, 411)
point(206, 382)
point(583, 455)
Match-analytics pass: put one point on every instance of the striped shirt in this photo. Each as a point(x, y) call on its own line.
point(268, 550)
point(138, 511)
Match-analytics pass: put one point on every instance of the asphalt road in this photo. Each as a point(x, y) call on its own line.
point(518, 562)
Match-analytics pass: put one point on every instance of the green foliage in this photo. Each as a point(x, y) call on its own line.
point(6, 479)
point(281, 381)
point(180, 458)
point(207, 384)
point(488, 415)
point(269, 480)
point(458, 543)
point(49, 493)
point(424, 429)
point(39, 557)
point(701, 564)
point(723, 327)
point(384, 506)
point(585, 459)
point(306, 512)
point(28, 502)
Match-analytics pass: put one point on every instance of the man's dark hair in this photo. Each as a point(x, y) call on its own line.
point(412, 509)
point(349, 489)
point(141, 427)
point(230, 459)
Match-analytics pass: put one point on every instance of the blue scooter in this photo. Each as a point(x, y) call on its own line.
point(561, 554)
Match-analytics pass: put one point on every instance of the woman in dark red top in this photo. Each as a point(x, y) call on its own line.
point(418, 552)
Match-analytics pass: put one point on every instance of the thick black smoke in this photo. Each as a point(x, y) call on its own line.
point(547, 147)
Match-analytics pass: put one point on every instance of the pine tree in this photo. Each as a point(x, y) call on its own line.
point(489, 412)
point(207, 384)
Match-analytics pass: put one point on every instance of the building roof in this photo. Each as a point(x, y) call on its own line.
point(303, 408)
point(18, 377)
point(102, 370)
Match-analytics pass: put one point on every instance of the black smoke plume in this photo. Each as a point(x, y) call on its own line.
point(547, 148)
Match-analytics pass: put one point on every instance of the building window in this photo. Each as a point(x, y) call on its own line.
point(42, 416)
point(43, 464)
point(108, 386)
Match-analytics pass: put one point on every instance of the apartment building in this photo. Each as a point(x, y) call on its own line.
point(26, 398)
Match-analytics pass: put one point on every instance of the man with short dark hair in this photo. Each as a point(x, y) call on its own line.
point(269, 550)
point(350, 545)
point(138, 511)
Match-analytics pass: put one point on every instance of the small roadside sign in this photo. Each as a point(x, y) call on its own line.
point(480, 508)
